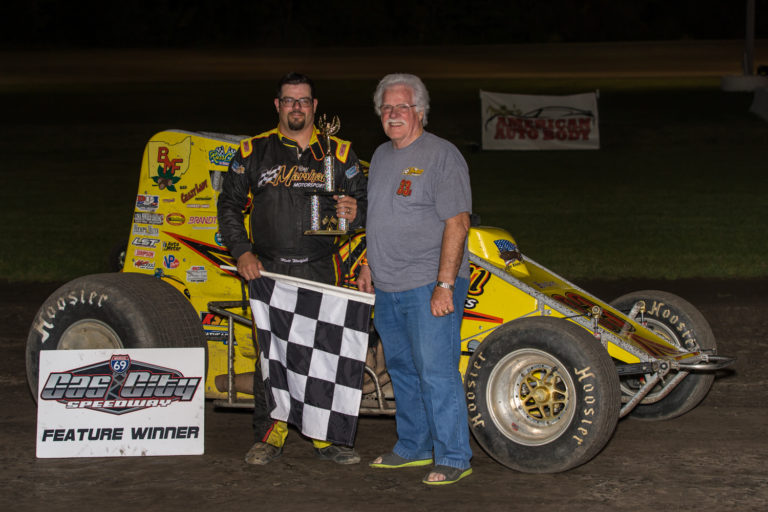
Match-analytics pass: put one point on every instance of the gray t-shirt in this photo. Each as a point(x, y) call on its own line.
point(411, 192)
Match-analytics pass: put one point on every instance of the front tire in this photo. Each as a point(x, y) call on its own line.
point(682, 325)
point(112, 311)
point(542, 395)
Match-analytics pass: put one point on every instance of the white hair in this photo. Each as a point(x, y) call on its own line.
point(420, 93)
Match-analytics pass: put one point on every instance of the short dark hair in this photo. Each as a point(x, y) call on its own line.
point(293, 78)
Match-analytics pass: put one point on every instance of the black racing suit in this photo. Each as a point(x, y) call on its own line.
point(278, 174)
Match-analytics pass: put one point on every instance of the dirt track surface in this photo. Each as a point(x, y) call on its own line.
point(713, 458)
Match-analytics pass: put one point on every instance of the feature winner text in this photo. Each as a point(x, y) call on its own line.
point(118, 433)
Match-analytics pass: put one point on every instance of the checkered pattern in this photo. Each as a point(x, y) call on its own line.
point(313, 344)
point(268, 176)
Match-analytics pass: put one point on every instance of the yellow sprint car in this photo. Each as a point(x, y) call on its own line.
point(548, 368)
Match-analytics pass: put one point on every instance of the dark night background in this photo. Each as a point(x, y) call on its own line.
point(303, 23)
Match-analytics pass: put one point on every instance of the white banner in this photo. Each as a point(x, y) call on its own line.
point(103, 403)
point(524, 122)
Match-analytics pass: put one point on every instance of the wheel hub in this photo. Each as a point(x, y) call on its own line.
point(530, 398)
point(541, 394)
point(89, 333)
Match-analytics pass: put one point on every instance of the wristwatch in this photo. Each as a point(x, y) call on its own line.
point(445, 285)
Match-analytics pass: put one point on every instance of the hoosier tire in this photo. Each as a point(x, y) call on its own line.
point(542, 395)
point(681, 324)
point(118, 310)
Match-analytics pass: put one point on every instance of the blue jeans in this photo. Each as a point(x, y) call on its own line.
point(422, 354)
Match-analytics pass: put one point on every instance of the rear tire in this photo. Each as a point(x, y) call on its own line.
point(681, 324)
point(542, 395)
point(103, 311)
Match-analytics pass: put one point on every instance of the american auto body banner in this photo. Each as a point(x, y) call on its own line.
point(101, 403)
point(524, 122)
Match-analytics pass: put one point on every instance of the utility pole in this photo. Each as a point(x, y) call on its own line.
point(749, 42)
point(748, 80)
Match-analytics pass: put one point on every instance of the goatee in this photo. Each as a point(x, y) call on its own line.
point(297, 124)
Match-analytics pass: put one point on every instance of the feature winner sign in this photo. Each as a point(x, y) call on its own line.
point(101, 403)
point(522, 122)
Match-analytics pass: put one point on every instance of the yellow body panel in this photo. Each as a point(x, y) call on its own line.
point(493, 301)
point(174, 235)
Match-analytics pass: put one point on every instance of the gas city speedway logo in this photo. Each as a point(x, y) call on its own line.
point(119, 386)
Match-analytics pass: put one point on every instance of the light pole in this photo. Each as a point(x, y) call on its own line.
point(749, 42)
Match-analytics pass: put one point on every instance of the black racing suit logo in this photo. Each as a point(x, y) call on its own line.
point(296, 176)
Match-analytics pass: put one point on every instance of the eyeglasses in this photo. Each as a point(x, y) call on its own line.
point(392, 109)
point(287, 101)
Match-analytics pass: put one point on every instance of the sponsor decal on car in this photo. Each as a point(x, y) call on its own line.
point(147, 203)
point(145, 230)
point(144, 264)
point(141, 241)
point(175, 219)
point(170, 261)
point(206, 220)
point(187, 196)
point(211, 319)
point(220, 336)
point(508, 251)
point(148, 218)
point(171, 246)
point(197, 274)
point(221, 155)
point(143, 253)
point(168, 162)
point(203, 220)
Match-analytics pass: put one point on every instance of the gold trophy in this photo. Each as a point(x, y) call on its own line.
point(328, 225)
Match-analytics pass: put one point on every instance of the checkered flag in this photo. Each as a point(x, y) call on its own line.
point(313, 340)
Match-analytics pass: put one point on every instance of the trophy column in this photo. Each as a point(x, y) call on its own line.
point(327, 225)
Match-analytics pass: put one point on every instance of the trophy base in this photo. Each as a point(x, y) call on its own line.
point(333, 232)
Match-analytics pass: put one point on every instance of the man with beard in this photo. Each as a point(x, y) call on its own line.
point(270, 175)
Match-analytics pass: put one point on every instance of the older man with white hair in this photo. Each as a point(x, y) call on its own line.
point(419, 201)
